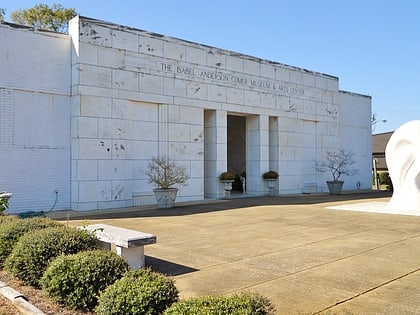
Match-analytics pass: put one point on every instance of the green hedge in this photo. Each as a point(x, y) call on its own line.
point(6, 219)
point(34, 251)
point(239, 304)
point(12, 228)
point(76, 280)
point(138, 292)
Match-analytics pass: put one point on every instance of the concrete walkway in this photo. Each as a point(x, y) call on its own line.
point(293, 249)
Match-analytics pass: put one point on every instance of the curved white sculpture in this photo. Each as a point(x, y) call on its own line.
point(403, 160)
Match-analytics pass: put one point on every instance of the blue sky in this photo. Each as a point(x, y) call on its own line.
point(373, 46)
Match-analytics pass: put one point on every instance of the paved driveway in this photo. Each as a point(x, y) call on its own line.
point(304, 257)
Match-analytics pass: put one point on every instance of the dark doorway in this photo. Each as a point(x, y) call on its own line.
point(236, 148)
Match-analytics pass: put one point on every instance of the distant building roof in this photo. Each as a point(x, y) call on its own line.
point(379, 142)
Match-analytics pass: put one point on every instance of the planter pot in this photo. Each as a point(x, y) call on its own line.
point(335, 187)
point(227, 186)
point(271, 185)
point(165, 197)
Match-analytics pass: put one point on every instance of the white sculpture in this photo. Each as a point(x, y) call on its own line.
point(243, 180)
point(403, 160)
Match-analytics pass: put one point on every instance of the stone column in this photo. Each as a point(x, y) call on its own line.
point(274, 149)
point(215, 151)
point(274, 144)
point(257, 139)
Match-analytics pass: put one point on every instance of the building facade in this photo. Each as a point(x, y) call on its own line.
point(83, 114)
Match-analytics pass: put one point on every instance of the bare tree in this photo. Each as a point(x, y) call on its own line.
point(337, 163)
point(164, 173)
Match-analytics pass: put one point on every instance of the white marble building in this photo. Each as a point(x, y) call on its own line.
point(83, 114)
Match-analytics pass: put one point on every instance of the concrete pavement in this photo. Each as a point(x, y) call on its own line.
point(305, 257)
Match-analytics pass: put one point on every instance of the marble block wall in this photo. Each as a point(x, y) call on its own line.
point(112, 97)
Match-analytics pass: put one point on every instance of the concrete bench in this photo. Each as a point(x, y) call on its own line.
point(129, 244)
point(309, 188)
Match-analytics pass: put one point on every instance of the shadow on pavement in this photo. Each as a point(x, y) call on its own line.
point(188, 208)
point(167, 267)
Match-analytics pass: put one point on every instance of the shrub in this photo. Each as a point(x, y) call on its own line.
point(76, 280)
point(4, 204)
point(12, 228)
point(4, 201)
point(227, 176)
point(239, 304)
point(34, 251)
point(270, 175)
point(138, 292)
point(384, 178)
point(7, 218)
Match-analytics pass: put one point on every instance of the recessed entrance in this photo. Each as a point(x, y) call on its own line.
point(236, 148)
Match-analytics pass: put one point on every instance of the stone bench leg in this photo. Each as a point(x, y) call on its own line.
point(133, 255)
point(104, 245)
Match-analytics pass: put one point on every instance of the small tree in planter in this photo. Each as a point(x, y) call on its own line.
point(164, 174)
point(271, 177)
point(338, 164)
